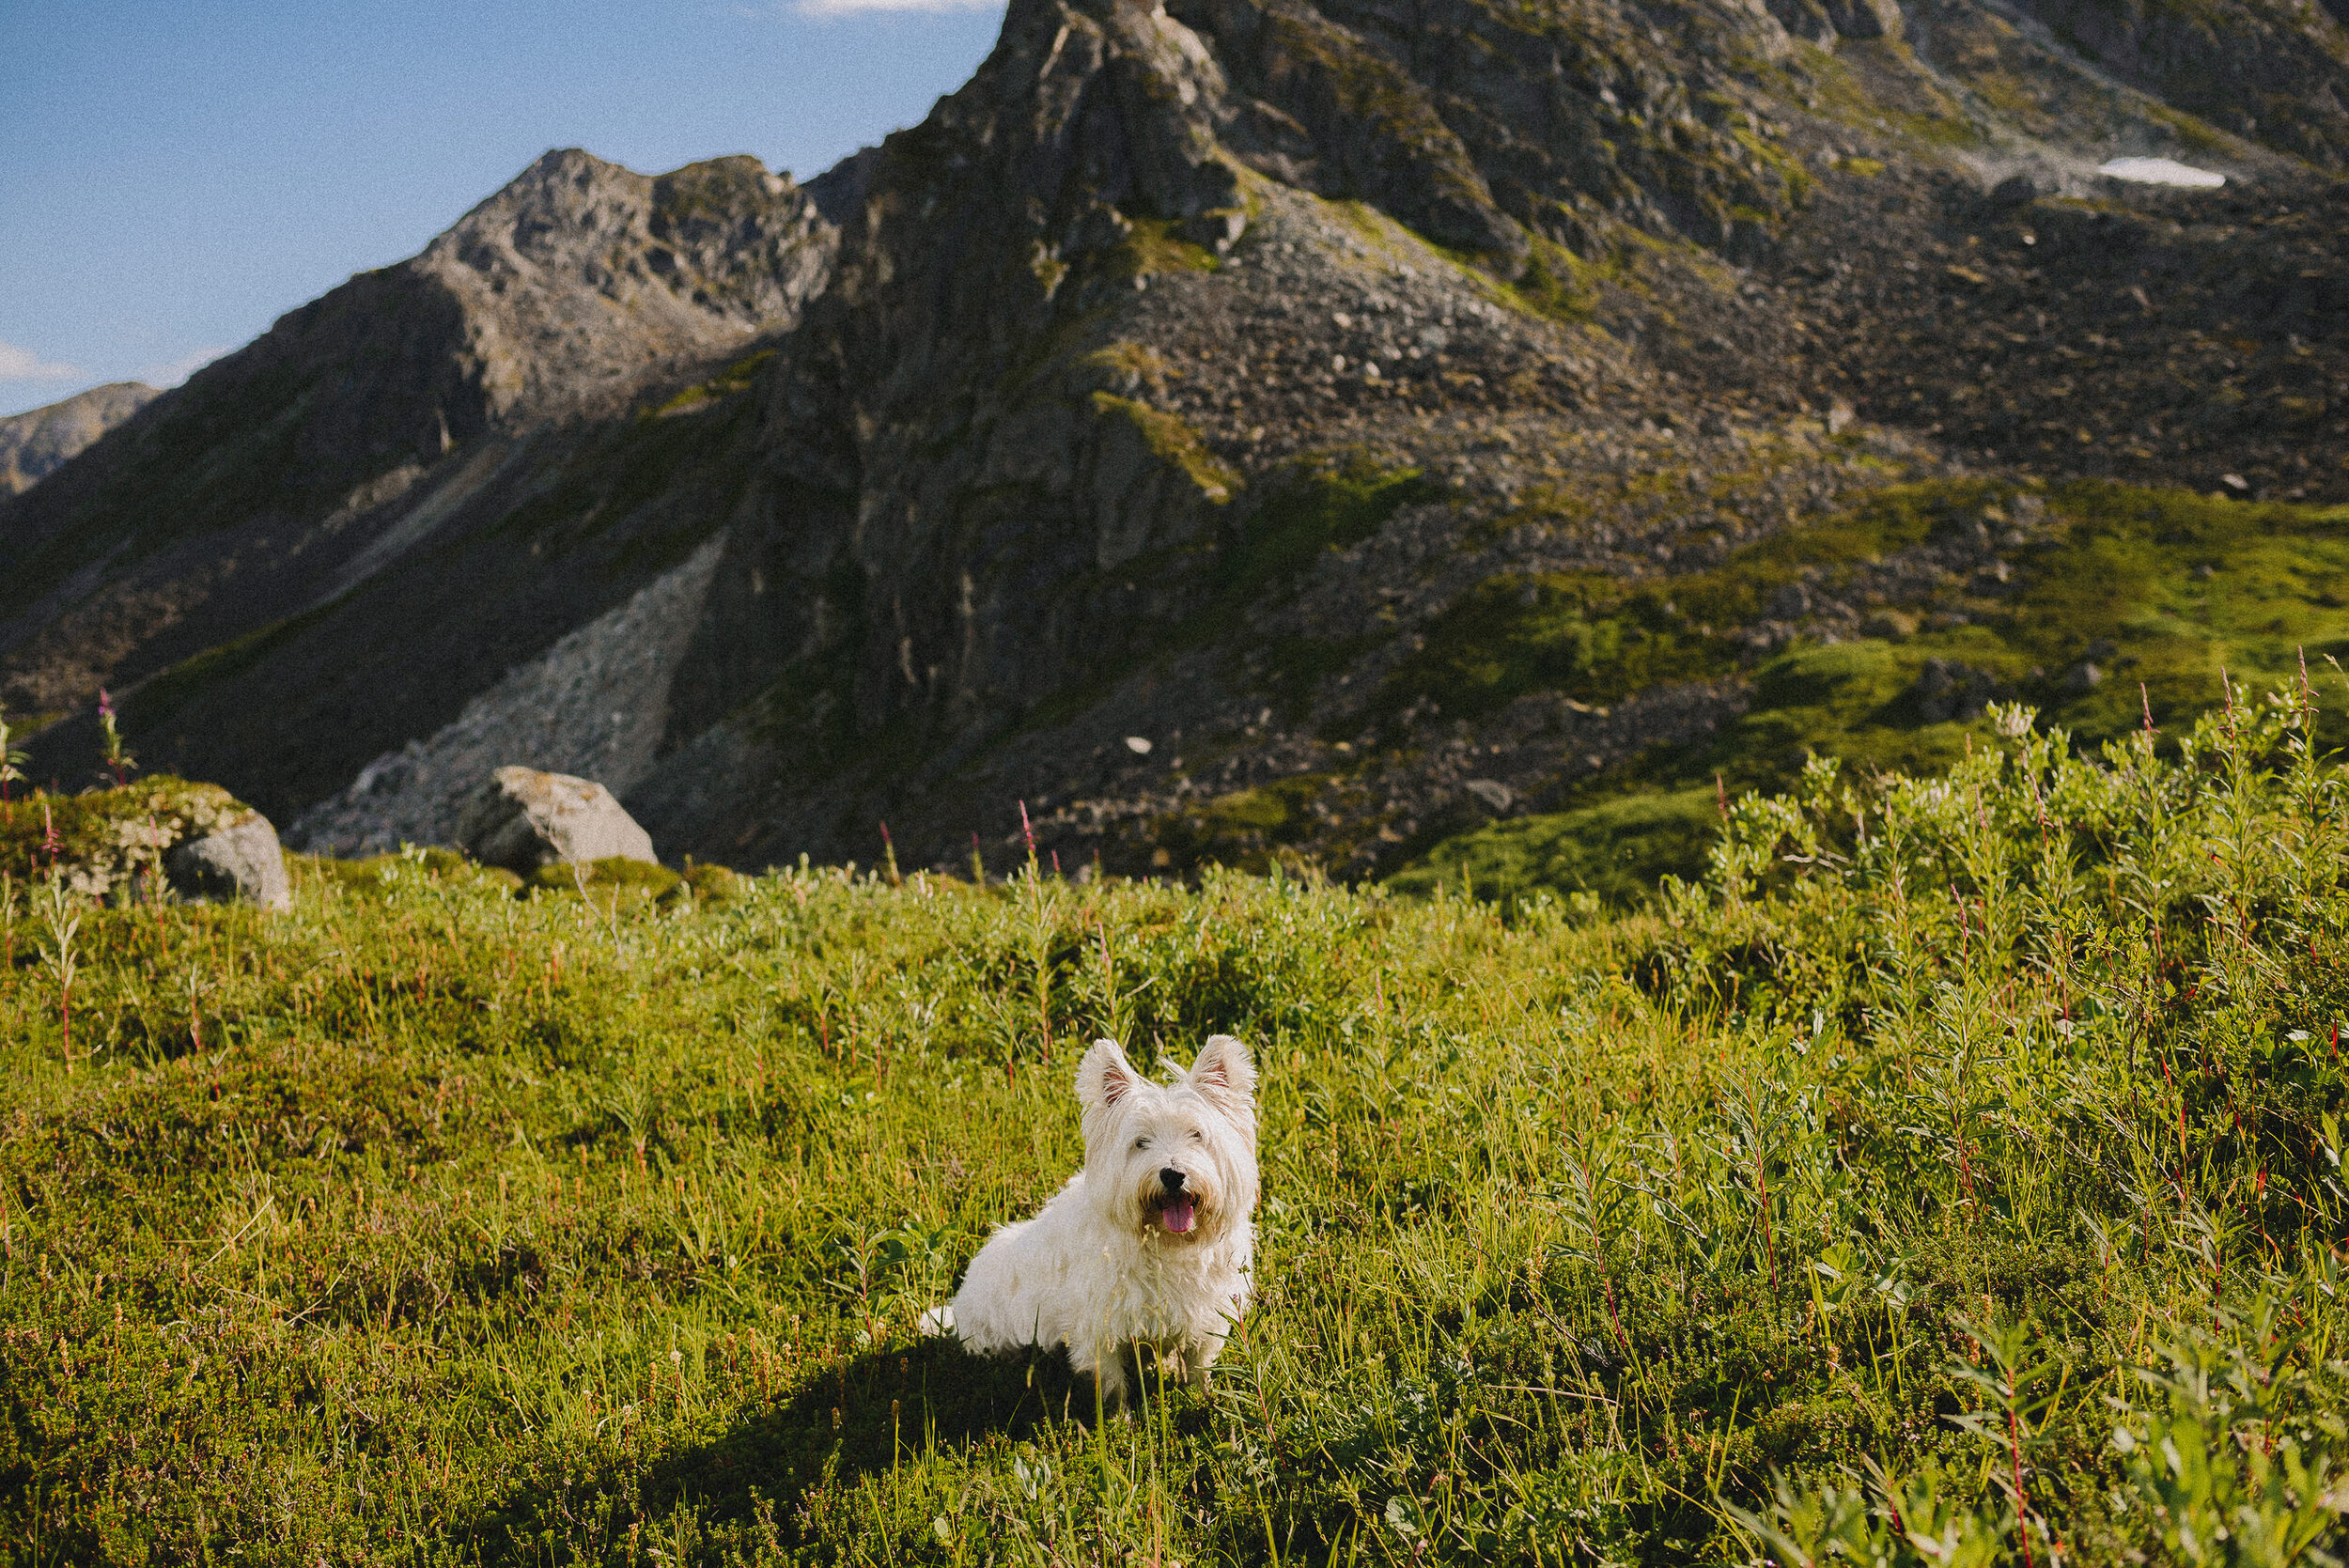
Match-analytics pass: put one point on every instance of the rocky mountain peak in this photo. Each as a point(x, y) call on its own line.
point(580, 278)
point(286, 471)
point(39, 440)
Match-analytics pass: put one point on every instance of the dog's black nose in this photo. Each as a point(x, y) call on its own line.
point(1173, 1178)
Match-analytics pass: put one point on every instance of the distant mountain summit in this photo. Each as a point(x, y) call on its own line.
point(1250, 429)
point(582, 279)
point(284, 474)
point(39, 440)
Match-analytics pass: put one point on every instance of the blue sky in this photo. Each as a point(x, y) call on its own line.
point(174, 177)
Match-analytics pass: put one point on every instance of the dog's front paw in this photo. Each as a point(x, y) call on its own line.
point(939, 1321)
point(1108, 1386)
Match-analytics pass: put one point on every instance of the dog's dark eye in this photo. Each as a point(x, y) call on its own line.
point(1198, 1137)
point(1141, 1143)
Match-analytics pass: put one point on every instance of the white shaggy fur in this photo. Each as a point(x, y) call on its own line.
point(1150, 1243)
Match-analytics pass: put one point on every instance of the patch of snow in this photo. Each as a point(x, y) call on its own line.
point(2162, 171)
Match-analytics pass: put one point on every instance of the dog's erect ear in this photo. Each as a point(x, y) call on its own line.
point(1226, 1078)
point(1104, 1076)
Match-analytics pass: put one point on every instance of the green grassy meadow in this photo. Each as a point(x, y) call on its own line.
point(1951, 1176)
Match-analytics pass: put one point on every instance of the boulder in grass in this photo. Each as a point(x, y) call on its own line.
point(522, 820)
point(120, 845)
point(236, 860)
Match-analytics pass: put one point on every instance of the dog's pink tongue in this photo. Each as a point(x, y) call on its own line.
point(1177, 1215)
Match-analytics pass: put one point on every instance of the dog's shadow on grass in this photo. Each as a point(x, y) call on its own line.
point(877, 1410)
point(865, 1416)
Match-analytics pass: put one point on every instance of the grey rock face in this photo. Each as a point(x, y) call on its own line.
point(240, 860)
point(2271, 69)
point(595, 702)
point(34, 443)
point(522, 820)
point(1492, 792)
point(1866, 19)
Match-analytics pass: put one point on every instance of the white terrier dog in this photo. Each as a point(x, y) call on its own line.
point(1150, 1243)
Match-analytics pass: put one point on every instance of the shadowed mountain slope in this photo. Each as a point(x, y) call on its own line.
point(1246, 431)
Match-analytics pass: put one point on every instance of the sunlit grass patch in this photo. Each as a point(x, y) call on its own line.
point(424, 1223)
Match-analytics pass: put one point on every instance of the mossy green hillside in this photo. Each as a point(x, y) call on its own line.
point(2171, 598)
point(1598, 637)
point(157, 697)
point(644, 462)
point(1326, 501)
point(207, 464)
point(1253, 829)
point(1270, 536)
point(1615, 851)
point(422, 1223)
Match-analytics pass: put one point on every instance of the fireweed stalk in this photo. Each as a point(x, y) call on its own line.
point(1039, 926)
point(12, 759)
point(58, 912)
point(120, 764)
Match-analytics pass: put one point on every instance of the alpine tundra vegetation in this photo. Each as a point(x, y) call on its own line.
point(1950, 1175)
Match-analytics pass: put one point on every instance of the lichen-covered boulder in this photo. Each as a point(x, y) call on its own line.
point(238, 860)
point(522, 820)
point(130, 842)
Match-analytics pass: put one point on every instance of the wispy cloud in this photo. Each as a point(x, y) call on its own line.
point(822, 9)
point(23, 364)
point(179, 370)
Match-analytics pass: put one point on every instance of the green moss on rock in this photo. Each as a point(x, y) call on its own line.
point(631, 878)
point(1174, 442)
point(170, 689)
point(634, 882)
point(385, 877)
point(1154, 246)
